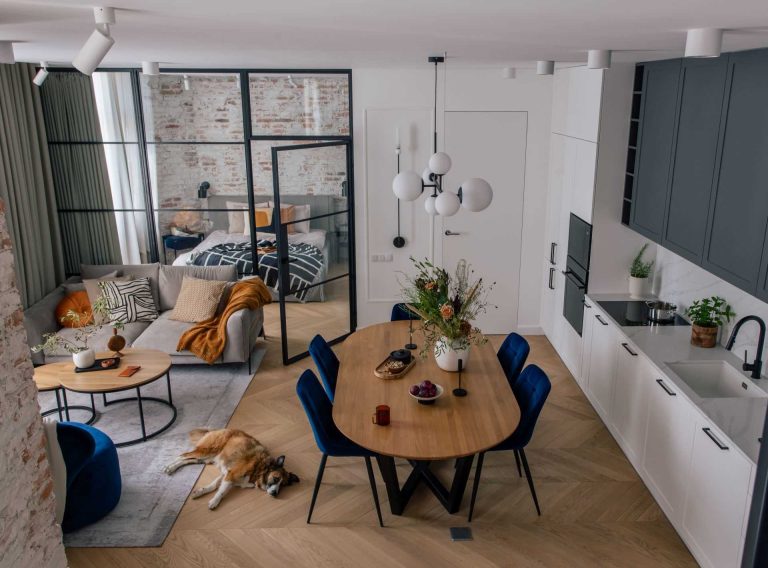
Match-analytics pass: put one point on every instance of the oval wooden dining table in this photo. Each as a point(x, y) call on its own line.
point(455, 428)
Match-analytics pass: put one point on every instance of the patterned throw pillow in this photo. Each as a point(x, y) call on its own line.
point(129, 301)
point(198, 299)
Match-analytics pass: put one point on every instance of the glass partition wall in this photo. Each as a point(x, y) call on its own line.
point(205, 167)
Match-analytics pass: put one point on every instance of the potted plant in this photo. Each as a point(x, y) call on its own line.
point(447, 306)
point(85, 327)
point(707, 315)
point(638, 273)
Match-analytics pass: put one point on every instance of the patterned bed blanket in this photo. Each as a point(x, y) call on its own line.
point(306, 263)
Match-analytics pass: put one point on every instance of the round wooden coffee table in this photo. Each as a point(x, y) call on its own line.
point(154, 365)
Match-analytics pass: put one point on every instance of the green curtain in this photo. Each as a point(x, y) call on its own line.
point(26, 185)
point(80, 171)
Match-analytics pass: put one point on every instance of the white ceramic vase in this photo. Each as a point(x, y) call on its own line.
point(447, 358)
point(84, 359)
point(637, 287)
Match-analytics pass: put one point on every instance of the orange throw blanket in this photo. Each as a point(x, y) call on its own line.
point(208, 338)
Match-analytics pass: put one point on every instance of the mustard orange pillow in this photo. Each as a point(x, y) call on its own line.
point(263, 217)
point(79, 303)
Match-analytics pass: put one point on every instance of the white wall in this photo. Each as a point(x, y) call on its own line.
point(385, 98)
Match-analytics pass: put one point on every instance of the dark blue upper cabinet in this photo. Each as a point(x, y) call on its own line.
point(739, 206)
point(654, 152)
point(702, 86)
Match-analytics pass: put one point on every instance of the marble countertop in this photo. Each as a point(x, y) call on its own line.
point(741, 419)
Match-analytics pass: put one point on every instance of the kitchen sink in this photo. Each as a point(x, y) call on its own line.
point(716, 379)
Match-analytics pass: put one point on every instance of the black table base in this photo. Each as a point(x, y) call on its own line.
point(399, 496)
point(141, 400)
point(63, 407)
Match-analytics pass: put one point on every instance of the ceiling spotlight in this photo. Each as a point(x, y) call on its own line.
point(42, 74)
point(6, 52)
point(150, 68)
point(704, 42)
point(508, 73)
point(545, 67)
point(99, 44)
point(599, 59)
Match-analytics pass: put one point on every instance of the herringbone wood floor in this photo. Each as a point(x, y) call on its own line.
point(596, 511)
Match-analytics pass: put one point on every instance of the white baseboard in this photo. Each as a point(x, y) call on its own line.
point(530, 330)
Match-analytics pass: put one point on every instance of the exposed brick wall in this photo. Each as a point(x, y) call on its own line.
point(210, 111)
point(28, 533)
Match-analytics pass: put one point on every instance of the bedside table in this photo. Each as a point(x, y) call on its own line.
point(177, 243)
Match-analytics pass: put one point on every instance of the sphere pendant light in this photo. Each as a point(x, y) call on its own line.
point(475, 194)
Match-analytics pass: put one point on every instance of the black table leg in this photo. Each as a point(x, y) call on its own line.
point(66, 404)
point(459, 485)
point(58, 404)
point(168, 381)
point(141, 414)
point(389, 475)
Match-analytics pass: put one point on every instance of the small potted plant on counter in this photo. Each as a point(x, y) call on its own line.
point(639, 273)
point(707, 315)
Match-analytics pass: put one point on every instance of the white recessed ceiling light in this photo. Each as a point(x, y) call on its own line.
point(42, 74)
point(6, 52)
point(99, 44)
point(150, 68)
point(704, 42)
point(599, 59)
point(545, 67)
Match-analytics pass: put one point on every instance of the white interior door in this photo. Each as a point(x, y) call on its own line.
point(490, 145)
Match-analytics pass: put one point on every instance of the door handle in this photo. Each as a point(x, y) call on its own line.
point(552, 248)
point(626, 346)
point(586, 305)
point(449, 233)
point(712, 437)
point(601, 320)
point(666, 388)
point(551, 276)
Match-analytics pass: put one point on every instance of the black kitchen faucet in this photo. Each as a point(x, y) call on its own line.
point(757, 365)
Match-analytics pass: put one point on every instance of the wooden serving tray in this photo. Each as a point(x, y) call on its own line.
point(384, 372)
point(97, 365)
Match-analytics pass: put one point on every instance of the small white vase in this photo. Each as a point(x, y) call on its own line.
point(637, 287)
point(84, 359)
point(447, 358)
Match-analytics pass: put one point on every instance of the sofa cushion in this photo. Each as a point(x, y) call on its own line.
point(129, 301)
point(99, 340)
point(151, 271)
point(198, 299)
point(172, 276)
point(40, 318)
point(163, 334)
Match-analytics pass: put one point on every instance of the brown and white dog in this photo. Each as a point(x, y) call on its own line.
point(242, 460)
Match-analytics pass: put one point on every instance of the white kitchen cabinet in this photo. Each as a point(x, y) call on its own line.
point(718, 486)
point(602, 365)
point(548, 299)
point(576, 98)
point(586, 342)
point(583, 164)
point(629, 409)
point(668, 444)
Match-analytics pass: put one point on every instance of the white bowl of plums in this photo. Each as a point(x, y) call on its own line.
point(426, 392)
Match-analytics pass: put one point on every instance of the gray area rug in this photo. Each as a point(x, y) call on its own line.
point(205, 397)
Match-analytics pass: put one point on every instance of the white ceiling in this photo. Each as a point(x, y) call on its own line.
point(354, 33)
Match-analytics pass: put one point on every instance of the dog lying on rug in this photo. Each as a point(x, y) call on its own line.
point(242, 460)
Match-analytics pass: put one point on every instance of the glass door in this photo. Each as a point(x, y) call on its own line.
point(313, 216)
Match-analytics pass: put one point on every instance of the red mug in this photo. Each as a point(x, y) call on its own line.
point(381, 416)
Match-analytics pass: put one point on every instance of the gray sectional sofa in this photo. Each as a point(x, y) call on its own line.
point(243, 328)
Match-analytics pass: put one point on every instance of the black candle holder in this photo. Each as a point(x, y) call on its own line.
point(460, 391)
point(410, 345)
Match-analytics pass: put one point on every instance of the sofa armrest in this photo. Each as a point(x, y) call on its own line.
point(40, 319)
point(243, 329)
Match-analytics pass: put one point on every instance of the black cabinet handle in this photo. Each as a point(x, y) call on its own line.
point(666, 388)
point(626, 346)
point(601, 320)
point(712, 437)
point(552, 248)
point(586, 305)
point(551, 276)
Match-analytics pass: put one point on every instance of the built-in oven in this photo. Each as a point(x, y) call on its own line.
point(577, 271)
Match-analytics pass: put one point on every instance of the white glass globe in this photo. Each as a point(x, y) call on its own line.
point(426, 176)
point(429, 206)
point(440, 163)
point(407, 186)
point(447, 204)
point(476, 194)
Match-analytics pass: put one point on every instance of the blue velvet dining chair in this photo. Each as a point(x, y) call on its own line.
point(327, 363)
point(531, 391)
point(329, 439)
point(512, 355)
point(400, 312)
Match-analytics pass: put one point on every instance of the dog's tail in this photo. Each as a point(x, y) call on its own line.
point(196, 434)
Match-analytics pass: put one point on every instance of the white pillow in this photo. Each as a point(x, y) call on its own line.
point(301, 212)
point(247, 223)
point(236, 223)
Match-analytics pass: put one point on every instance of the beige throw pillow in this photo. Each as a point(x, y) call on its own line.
point(198, 299)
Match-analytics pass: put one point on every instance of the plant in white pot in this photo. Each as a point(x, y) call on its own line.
point(85, 326)
point(447, 306)
point(639, 273)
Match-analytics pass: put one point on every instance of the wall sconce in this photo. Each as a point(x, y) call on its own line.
point(202, 190)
